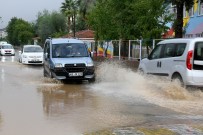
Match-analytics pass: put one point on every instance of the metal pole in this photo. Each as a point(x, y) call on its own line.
point(129, 49)
point(74, 22)
point(153, 43)
point(119, 49)
point(140, 49)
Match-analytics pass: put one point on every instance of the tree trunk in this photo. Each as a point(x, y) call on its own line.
point(179, 21)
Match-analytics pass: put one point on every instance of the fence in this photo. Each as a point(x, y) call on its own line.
point(117, 49)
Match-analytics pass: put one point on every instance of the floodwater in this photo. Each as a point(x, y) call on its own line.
point(33, 105)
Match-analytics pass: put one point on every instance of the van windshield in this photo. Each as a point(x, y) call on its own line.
point(7, 47)
point(69, 50)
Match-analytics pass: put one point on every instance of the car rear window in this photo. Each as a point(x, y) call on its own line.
point(198, 56)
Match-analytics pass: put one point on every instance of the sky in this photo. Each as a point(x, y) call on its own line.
point(25, 9)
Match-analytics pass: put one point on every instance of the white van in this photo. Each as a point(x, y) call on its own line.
point(180, 59)
point(6, 49)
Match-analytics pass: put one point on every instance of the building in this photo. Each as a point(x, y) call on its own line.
point(3, 33)
point(193, 20)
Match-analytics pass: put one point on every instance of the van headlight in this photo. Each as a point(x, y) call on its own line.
point(90, 64)
point(58, 65)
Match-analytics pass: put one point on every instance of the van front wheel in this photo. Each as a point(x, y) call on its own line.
point(92, 80)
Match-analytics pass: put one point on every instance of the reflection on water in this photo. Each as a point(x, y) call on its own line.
point(7, 58)
point(2, 72)
point(0, 121)
point(76, 105)
point(57, 99)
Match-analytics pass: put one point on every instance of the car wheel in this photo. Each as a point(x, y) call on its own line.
point(50, 74)
point(45, 73)
point(140, 71)
point(177, 78)
point(92, 80)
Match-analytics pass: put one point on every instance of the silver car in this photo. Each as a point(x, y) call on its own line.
point(180, 59)
point(68, 59)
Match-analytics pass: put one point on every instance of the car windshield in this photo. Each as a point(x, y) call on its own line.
point(7, 47)
point(33, 49)
point(69, 50)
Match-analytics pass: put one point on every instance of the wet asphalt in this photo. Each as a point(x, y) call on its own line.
point(120, 101)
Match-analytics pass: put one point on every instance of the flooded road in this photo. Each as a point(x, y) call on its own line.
point(33, 105)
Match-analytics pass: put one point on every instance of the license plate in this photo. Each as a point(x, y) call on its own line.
point(76, 74)
point(35, 60)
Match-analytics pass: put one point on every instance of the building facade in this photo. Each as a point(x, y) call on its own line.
point(193, 20)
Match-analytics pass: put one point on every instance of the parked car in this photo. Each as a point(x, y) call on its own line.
point(6, 49)
point(180, 59)
point(31, 54)
point(68, 59)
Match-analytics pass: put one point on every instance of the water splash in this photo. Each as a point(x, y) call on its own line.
point(49, 84)
point(114, 79)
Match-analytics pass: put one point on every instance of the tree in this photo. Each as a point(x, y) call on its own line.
point(69, 8)
point(50, 24)
point(179, 4)
point(128, 19)
point(19, 32)
point(85, 7)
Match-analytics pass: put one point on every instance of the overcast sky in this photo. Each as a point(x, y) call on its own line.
point(25, 9)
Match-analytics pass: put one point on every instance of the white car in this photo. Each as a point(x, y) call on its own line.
point(6, 49)
point(180, 59)
point(31, 54)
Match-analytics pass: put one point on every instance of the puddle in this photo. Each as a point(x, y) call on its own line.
point(115, 80)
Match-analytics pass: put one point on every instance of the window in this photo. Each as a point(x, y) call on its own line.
point(180, 48)
point(169, 50)
point(47, 48)
point(156, 53)
point(184, 12)
point(69, 50)
point(198, 55)
point(200, 8)
point(191, 12)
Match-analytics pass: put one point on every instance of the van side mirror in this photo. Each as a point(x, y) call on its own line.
point(91, 54)
point(20, 52)
point(46, 55)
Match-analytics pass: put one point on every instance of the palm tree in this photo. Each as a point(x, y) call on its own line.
point(67, 10)
point(84, 6)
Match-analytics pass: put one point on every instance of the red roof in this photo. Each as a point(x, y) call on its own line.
point(168, 34)
point(81, 34)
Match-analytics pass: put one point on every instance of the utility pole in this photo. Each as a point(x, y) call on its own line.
point(74, 14)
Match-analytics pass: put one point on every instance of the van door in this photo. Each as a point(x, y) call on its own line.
point(167, 60)
point(198, 63)
point(46, 56)
point(153, 64)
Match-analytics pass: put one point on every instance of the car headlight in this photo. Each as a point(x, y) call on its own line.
point(24, 56)
point(90, 64)
point(58, 65)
